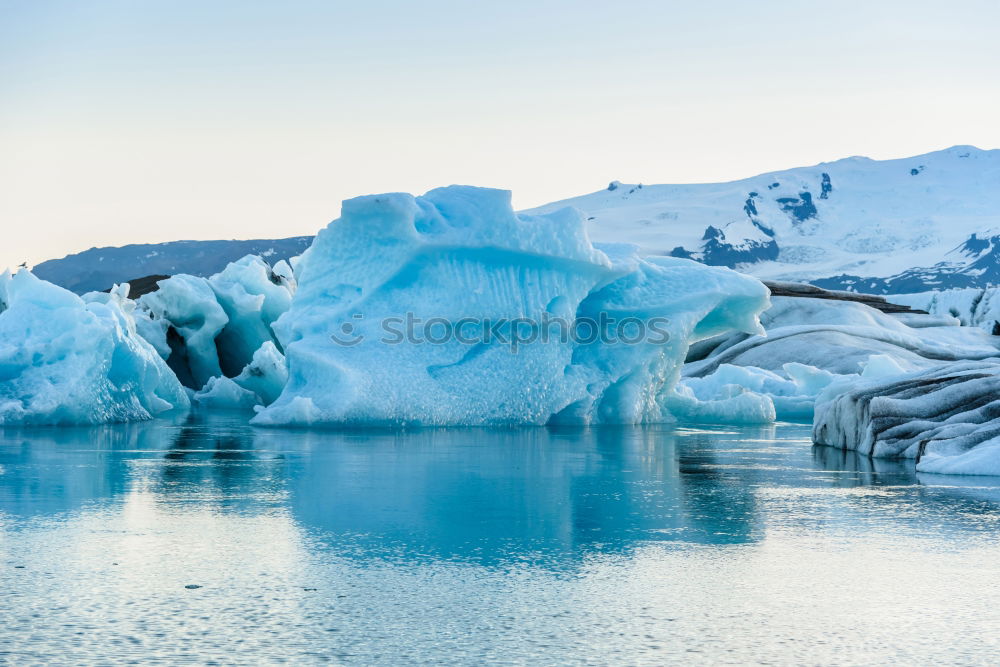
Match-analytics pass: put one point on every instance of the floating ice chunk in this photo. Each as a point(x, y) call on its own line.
point(947, 418)
point(462, 255)
point(259, 383)
point(265, 375)
point(223, 392)
point(791, 396)
point(71, 360)
point(726, 404)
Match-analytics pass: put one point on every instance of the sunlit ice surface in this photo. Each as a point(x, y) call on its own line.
point(206, 541)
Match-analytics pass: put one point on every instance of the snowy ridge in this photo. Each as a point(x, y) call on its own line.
point(909, 224)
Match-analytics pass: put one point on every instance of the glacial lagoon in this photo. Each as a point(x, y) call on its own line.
point(201, 539)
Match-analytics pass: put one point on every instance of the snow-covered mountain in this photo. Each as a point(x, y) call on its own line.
point(880, 226)
point(887, 226)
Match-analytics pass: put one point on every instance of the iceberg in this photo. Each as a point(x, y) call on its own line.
point(746, 394)
point(837, 336)
point(71, 360)
point(813, 346)
point(947, 418)
point(451, 309)
point(223, 392)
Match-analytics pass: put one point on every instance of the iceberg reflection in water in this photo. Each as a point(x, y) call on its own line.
point(203, 539)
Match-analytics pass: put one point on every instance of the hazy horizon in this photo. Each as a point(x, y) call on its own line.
point(142, 124)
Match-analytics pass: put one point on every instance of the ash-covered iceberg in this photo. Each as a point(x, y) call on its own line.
point(947, 418)
point(452, 309)
point(815, 345)
point(71, 360)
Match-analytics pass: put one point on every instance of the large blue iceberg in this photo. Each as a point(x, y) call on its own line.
point(71, 360)
point(452, 309)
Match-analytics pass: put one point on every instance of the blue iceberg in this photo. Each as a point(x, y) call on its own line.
point(71, 360)
point(451, 309)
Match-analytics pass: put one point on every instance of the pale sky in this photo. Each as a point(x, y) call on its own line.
point(145, 121)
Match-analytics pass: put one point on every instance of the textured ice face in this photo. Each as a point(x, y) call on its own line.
point(195, 318)
point(67, 360)
point(462, 255)
point(212, 327)
point(947, 418)
point(815, 346)
point(253, 297)
point(259, 383)
point(972, 307)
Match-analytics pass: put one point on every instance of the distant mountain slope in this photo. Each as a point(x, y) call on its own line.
point(99, 268)
point(890, 225)
point(975, 263)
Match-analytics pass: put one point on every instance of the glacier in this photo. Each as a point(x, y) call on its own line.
point(461, 256)
point(71, 360)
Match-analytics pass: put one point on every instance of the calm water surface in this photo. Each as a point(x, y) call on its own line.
point(204, 541)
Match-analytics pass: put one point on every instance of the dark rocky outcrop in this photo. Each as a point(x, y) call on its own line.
point(139, 286)
point(813, 292)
